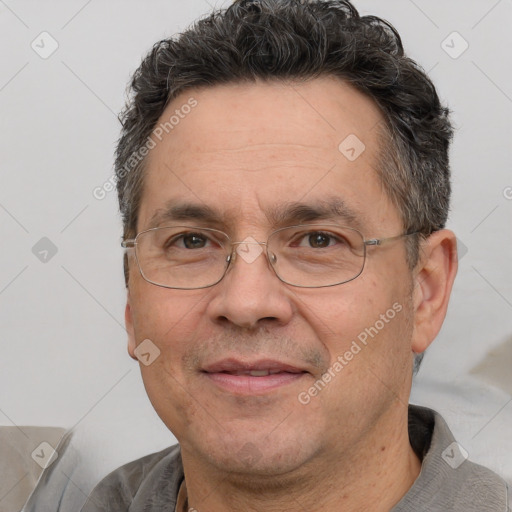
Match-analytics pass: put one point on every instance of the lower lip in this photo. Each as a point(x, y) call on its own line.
point(249, 385)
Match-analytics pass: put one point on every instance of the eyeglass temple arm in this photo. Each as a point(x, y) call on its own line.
point(381, 241)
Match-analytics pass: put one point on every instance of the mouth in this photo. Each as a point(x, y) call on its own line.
point(252, 377)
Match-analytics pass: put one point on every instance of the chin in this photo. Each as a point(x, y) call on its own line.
point(249, 462)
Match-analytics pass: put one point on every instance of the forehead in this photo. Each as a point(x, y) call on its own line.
point(244, 150)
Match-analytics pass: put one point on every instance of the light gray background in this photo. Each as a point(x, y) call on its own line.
point(63, 358)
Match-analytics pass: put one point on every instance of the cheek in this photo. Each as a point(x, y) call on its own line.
point(369, 344)
point(362, 319)
point(167, 317)
point(170, 319)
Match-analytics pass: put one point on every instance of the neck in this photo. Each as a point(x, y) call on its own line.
point(373, 475)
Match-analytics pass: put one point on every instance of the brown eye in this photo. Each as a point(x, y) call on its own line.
point(319, 240)
point(190, 240)
point(194, 241)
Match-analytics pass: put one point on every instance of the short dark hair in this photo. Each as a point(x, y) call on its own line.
point(298, 40)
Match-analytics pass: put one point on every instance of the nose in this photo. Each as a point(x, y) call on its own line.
point(250, 294)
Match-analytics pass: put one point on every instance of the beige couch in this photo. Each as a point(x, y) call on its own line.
point(24, 453)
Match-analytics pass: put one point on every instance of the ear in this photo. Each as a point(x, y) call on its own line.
point(434, 276)
point(130, 330)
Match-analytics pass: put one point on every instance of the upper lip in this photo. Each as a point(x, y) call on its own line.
point(233, 365)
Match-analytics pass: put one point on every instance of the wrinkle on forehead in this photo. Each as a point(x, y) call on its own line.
point(264, 145)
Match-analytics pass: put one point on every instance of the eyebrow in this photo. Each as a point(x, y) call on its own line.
point(332, 209)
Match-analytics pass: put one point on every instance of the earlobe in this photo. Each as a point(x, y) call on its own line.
point(434, 278)
point(128, 319)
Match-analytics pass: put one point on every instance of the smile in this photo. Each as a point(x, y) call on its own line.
point(250, 378)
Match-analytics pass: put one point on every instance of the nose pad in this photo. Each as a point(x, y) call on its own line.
point(234, 255)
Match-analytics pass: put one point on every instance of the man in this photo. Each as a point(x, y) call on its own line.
point(284, 183)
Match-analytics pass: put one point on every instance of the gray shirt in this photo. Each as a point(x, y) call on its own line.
point(447, 481)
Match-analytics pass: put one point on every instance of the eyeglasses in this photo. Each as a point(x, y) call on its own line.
point(306, 256)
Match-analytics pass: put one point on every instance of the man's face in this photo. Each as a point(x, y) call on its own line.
point(245, 151)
